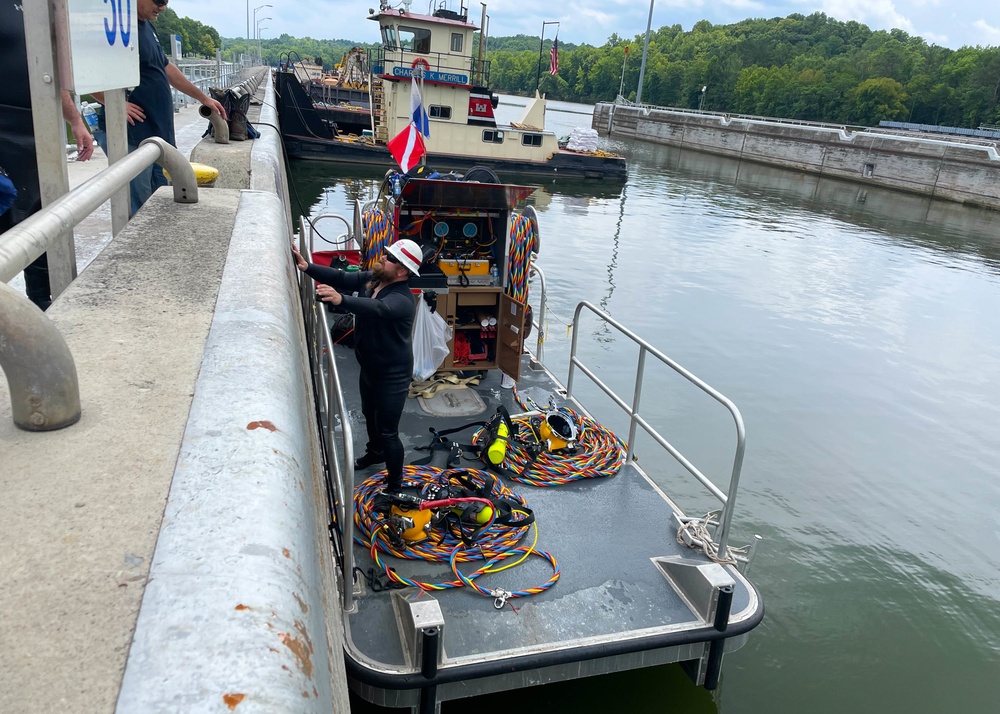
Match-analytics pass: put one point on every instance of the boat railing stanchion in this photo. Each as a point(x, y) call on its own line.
point(752, 553)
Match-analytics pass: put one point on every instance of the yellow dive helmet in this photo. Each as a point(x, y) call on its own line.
point(558, 431)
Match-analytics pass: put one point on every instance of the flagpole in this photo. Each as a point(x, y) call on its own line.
point(645, 50)
point(538, 76)
point(621, 86)
point(423, 158)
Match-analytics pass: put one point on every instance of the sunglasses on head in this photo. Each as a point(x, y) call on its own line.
point(391, 258)
point(160, 3)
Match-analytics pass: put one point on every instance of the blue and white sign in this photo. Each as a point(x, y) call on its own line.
point(104, 39)
point(445, 77)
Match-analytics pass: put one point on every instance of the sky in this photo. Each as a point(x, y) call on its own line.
point(943, 22)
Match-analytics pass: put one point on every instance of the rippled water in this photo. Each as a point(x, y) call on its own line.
point(856, 329)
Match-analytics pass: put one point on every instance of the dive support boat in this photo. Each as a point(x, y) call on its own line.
point(494, 570)
point(454, 87)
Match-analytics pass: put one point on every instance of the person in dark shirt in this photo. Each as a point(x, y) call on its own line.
point(17, 141)
point(149, 107)
point(384, 310)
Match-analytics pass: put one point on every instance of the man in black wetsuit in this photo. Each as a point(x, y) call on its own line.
point(384, 311)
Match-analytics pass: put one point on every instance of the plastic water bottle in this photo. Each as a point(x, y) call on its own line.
point(89, 115)
point(494, 275)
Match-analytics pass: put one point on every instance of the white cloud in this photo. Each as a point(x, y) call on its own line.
point(989, 33)
point(879, 13)
point(934, 38)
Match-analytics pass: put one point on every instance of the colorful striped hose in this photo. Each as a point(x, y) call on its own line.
point(522, 244)
point(378, 235)
point(494, 543)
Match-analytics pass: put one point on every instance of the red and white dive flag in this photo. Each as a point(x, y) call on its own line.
point(407, 147)
point(554, 58)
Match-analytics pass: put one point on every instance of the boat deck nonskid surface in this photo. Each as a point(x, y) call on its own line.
point(602, 532)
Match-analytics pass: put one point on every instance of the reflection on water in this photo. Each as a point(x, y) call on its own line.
point(941, 225)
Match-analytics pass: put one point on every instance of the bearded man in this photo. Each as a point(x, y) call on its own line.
point(384, 309)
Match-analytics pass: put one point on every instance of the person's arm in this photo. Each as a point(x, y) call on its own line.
point(393, 306)
point(182, 84)
point(133, 112)
point(336, 278)
point(84, 141)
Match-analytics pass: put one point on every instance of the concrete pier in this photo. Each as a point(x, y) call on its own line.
point(950, 170)
point(164, 553)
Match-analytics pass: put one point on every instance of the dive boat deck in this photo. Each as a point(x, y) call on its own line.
point(613, 608)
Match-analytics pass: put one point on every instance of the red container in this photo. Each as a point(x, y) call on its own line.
point(326, 257)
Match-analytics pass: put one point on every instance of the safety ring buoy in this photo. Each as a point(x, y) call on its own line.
point(421, 62)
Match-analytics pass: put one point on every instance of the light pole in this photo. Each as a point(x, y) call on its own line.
point(260, 52)
point(255, 22)
point(701, 103)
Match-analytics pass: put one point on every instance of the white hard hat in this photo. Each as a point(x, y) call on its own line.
point(408, 253)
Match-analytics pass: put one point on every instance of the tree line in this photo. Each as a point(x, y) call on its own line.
point(809, 67)
point(798, 67)
point(196, 38)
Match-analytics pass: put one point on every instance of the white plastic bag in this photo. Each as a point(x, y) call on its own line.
point(430, 341)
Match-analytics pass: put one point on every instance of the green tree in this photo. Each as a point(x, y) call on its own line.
point(876, 99)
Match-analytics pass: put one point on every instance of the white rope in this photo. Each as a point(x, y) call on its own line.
point(694, 533)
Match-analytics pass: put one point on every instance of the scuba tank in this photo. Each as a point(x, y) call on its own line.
point(497, 448)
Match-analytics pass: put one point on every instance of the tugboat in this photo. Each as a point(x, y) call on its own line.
point(527, 544)
point(426, 62)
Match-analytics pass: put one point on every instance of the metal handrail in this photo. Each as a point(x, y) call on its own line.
point(40, 370)
point(33, 236)
point(539, 322)
point(326, 380)
point(728, 499)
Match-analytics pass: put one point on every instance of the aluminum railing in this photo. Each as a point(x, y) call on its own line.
point(728, 498)
point(332, 411)
point(205, 75)
point(44, 390)
point(622, 102)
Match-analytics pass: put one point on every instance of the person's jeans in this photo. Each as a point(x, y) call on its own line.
point(143, 185)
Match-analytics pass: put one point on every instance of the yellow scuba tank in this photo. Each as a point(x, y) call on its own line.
point(497, 449)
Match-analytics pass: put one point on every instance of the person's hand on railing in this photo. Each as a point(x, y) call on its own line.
point(215, 106)
point(328, 294)
point(300, 262)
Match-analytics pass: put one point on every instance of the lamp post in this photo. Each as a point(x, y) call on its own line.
point(538, 76)
point(260, 51)
point(701, 102)
point(255, 24)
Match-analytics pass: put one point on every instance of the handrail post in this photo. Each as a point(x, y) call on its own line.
point(636, 395)
point(41, 375)
point(182, 177)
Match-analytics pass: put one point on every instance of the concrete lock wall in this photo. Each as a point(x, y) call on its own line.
point(948, 170)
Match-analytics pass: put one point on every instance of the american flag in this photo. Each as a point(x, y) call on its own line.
point(554, 58)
